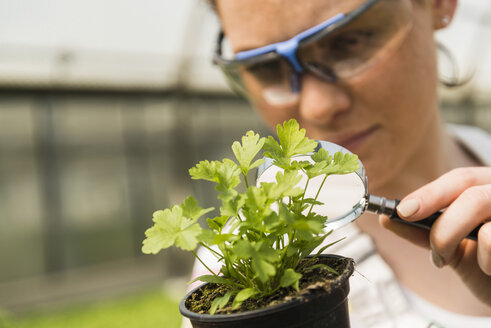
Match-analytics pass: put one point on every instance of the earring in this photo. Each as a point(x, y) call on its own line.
point(445, 20)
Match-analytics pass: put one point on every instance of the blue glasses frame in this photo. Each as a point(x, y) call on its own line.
point(288, 49)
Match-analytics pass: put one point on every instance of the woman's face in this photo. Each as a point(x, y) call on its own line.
point(382, 114)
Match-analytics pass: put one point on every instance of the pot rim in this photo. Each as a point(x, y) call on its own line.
point(205, 317)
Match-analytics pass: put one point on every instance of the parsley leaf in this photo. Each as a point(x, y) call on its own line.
point(190, 209)
point(261, 256)
point(225, 174)
point(220, 302)
point(245, 153)
point(171, 228)
point(290, 278)
point(242, 296)
point(292, 142)
point(324, 163)
point(232, 205)
point(205, 170)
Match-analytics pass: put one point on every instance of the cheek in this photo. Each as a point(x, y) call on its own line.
point(413, 87)
point(401, 95)
point(406, 82)
point(273, 116)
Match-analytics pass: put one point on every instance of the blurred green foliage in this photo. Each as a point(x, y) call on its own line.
point(148, 309)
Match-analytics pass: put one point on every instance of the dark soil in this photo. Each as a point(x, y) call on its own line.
point(319, 280)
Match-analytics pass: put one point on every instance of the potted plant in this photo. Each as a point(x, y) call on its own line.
point(262, 238)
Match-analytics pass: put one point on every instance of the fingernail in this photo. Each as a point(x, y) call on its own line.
point(437, 260)
point(408, 207)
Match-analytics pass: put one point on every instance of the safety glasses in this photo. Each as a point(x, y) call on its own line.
point(343, 46)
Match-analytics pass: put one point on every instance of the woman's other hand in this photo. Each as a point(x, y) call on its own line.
point(466, 195)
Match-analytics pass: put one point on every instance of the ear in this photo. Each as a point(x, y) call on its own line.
point(443, 12)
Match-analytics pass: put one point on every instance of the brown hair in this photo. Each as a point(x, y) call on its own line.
point(212, 4)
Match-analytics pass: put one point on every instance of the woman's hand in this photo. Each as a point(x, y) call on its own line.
point(466, 195)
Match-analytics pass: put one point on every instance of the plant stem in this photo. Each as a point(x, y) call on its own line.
point(285, 249)
point(245, 180)
point(305, 190)
point(218, 255)
point(246, 279)
point(196, 255)
point(317, 195)
point(230, 265)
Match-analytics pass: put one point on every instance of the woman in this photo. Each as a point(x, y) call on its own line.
point(363, 74)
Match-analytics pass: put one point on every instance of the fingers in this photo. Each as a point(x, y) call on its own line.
point(471, 208)
point(442, 192)
point(465, 196)
point(484, 248)
point(466, 193)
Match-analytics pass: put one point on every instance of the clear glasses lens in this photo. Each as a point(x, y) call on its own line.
point(363, 42)
point(269, 81)
point(341, 54)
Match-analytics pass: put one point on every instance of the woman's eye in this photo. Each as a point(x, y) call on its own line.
point(263, 68)
point(352, 39)
point(266, 71)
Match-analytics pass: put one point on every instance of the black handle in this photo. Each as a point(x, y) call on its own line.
point(428, 222)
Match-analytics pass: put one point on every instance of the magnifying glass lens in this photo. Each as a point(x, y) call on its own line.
point(339, 194)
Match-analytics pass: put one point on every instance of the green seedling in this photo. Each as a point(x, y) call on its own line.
point(261, 235)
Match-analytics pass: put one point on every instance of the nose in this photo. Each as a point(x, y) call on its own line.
point(322, 102)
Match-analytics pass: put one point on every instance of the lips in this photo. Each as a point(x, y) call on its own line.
point(353, 140)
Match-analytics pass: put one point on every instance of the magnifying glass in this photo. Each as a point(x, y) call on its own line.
point(345, 197)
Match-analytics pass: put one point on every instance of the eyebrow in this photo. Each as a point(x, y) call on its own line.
point(278, 46)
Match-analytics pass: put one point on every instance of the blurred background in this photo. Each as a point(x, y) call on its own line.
point(104, 106)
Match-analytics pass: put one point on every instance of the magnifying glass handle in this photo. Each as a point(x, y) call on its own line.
point(382, 205)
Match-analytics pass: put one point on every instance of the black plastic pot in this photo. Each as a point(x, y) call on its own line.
point(316, 310)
